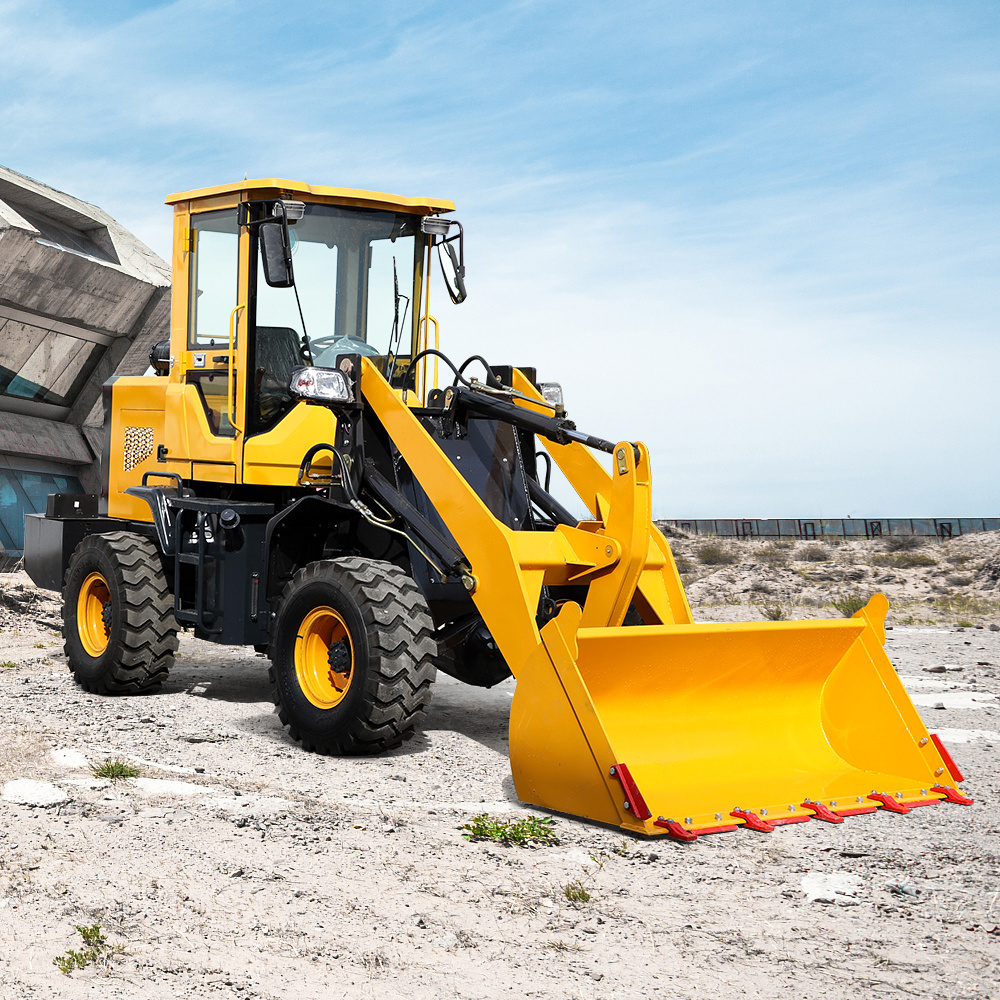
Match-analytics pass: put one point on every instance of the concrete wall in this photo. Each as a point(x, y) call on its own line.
point(81, 299)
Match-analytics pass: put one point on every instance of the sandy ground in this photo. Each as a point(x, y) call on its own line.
point(926, 581)
point(239, 866)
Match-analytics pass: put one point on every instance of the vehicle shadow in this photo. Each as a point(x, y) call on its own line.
point(240, 677)
point(235, 679)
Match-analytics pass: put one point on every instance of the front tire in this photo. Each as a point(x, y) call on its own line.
point(118, 619)
point(352, 656)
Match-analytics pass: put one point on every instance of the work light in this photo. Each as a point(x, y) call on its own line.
point(324, 385)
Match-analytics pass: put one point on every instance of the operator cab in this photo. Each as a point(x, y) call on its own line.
point(282, 275)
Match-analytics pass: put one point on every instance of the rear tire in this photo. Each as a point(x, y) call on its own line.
point(352, 656)
point(118, 619)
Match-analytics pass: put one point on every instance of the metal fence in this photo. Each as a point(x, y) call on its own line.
point(848, 527)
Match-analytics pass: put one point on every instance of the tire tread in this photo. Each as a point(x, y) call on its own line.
point(149, 638)
point(403, 654)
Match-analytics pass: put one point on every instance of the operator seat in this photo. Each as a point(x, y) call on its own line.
point(279, 349)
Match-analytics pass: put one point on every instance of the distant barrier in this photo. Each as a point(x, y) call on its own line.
point(847, 527)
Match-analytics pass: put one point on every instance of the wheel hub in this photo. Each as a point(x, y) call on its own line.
point(340, 657)
point(94, 614)
point(324, 657)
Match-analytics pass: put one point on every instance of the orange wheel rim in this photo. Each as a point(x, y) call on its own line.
point(324, 657)
point(93, 598)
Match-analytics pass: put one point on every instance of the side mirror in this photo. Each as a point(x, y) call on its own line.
point(452, 263)
point(276, 254)
point(453, 271)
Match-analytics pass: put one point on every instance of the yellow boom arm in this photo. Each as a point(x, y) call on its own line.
point(669, 727)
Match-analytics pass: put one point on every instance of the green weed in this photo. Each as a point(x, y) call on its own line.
point(904, 560)
point(849, 604)
point(115, 769)
point(903, 543)
point(576, 892)
point(519, 833)
point(962, 605)
point(562, 946)
point(717, 554)
point(774, 611)
point(8, 665)
point(813, 553)
point(95, 948)
point(964, 623)
point(774, 554)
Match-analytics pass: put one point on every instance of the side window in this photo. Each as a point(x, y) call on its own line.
point(390, 263)
point(214, 274)
point(280, 342)
point(213, 387)
point(214, 277)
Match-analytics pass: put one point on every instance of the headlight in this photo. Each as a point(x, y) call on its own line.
point(325, 385)
point(553, 395)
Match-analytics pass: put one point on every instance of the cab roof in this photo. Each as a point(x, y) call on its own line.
point(276, 187)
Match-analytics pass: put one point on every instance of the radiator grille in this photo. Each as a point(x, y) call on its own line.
point(138, 446)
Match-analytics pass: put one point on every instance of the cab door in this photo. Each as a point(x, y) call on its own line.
point(211, 384)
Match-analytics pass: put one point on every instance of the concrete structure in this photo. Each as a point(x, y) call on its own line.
point(81, 299)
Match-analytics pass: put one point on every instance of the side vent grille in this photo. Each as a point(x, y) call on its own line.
point(138, 446)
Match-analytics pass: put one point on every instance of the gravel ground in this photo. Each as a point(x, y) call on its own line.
point(240, 866)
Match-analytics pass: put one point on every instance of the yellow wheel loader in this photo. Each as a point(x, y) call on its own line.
point(294, 477)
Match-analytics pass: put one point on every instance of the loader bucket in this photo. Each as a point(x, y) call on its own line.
point(687, 729)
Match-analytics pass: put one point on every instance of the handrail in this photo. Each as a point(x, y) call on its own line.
point(231, 387)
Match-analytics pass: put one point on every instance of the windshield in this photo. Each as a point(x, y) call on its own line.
point(347, 263)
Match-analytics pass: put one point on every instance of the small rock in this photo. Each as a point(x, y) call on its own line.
point(995, 628)
point(939, 669)
point(447, 941)
point(68, 758)
point(26, 792)
point(939, 704)
point(163, 786)
point(147, 718)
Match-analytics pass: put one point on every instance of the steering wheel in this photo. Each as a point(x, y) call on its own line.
point(348, 344)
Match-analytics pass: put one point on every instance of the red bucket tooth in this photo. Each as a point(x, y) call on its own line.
point(952, 795)
point(822, 812)
point(753, 821)
point(675, 830)
point(888, 802)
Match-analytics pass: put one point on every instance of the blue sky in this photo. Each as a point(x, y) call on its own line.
point(761, 237)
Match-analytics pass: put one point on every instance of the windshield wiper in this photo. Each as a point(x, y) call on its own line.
point(397, 324)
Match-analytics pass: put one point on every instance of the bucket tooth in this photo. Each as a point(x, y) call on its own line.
point(752, 820)
point(822, 812)
point(952, 795)
point(889, 802)
point(676, 830)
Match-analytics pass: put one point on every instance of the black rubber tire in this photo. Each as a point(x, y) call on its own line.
point(142, 637)
point(394, 656)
